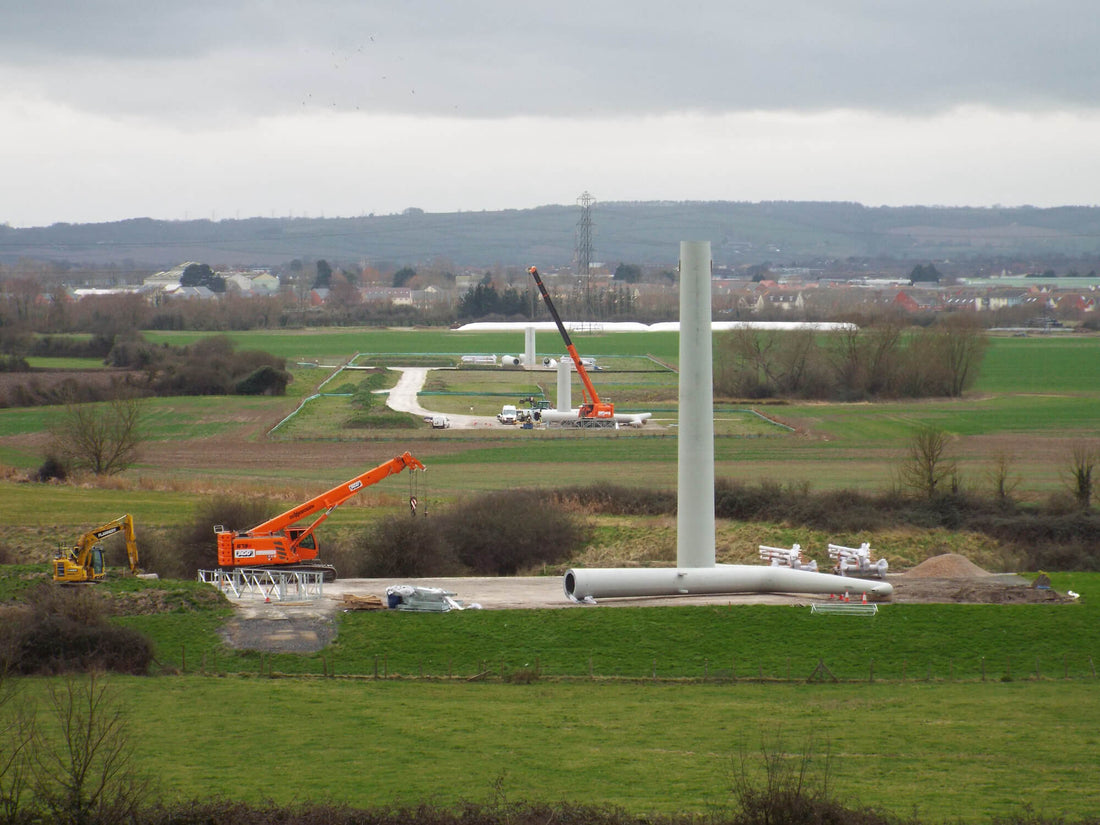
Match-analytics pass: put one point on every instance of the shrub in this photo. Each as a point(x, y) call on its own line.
point(502, 533)
point(627, 501)
point(52, 467)
point(65, 629)
point(266, 380)
point(195, 547)
point(404, 546)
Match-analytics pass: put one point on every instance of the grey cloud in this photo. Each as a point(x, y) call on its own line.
point(489, 58)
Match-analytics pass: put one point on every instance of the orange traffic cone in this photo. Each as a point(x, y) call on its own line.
point(846, 596)
point(865, 598)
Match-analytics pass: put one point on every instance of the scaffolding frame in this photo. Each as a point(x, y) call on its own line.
point(266, 585)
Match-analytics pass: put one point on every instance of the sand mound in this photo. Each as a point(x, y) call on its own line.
point(947, 566)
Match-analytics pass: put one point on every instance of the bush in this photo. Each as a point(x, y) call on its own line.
point(401, 546)
point(497, 534)
point(504, 532)
point(264, 381)
point(52, 467)
point(195, 547)
point(627, 501)
point(65, 629)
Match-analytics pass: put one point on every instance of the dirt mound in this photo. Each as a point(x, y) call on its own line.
point(947, 566)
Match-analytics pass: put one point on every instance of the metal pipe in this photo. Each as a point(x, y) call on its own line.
point(597, 583)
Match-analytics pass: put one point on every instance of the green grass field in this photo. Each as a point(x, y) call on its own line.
point(943, 752)
point(928, 736)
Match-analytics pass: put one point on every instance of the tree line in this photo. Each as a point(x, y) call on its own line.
point(884, 360)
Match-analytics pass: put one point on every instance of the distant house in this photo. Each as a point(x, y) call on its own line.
point(264, 282)
point(195, 292)
point(782, 301)
point(252, 282)
point(918, 301)
point(169, 278)
point(318, 295)
point(398, 295)
point(1075, 303)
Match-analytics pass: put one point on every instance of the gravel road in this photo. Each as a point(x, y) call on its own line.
point(403, 398)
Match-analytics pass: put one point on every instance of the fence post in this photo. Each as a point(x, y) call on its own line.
point(183, 658)
point(872, 676)
point(589, 667)
point(983, 668)
point(376, 666)
point(654, 668)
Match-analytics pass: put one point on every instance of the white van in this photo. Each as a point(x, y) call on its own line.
point(507, 414)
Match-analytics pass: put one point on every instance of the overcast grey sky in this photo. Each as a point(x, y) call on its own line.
point(111, 109)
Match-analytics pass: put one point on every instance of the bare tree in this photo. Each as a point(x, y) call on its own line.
point(89, 773)
point(103, 438)
point(1083, 459)
point(17, 735)
point(962, 343)
point(927, 466)
point(1002, 476)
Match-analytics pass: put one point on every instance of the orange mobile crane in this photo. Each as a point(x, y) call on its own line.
point(277, 543)
point(593, 411)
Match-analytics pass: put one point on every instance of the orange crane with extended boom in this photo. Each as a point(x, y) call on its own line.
point(277, 543)
point(593, 410)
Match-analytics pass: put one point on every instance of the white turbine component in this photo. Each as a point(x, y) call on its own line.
point(529, 347)
point(595, 583)
point(565, 387)
point(573, 417)
point(511, 361)
point(695, 436)
point(697, 572)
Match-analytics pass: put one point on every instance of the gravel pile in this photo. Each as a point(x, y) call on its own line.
point(947, 566)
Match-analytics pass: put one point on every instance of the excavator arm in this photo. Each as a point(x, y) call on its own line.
point(85, 561)
point(592, 407)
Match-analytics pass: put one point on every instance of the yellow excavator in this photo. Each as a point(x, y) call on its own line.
point(84, 562)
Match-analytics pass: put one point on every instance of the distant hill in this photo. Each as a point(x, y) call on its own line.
point(646, 233)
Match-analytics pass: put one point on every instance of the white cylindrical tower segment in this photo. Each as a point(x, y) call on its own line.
point(565, 386)
point(695, 433)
